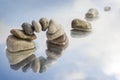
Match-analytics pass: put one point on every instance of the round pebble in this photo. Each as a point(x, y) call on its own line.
point(27, 28)
point(44, 23)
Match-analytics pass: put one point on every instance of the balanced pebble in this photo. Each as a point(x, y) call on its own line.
point(21, 34)
point(44, 23)
point(36, 26)
point(27, 28)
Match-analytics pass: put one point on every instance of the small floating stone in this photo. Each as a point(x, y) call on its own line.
point(92, 13)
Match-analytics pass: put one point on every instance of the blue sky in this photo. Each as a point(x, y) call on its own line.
point(13, 11)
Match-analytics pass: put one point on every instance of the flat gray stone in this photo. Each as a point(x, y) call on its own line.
point(21, 35)
point(59, 39)
point(27, 28)
point(44, 23)
point(14, 44)
point(37, 26)
point(43, 64)
point(17, 57)
point(57, 34)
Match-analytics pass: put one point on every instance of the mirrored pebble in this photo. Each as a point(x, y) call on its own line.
point(27, 28)
point(37, 26)
point(36, 65)
point(60, 39)
point(16, 57)
point(44, 23)
point(43, 64)
point(79, 34)
point(23, 63)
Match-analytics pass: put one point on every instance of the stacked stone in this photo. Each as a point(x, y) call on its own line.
point(20, 45)
point(23, 39)
point(56, 34)
point(107, 8)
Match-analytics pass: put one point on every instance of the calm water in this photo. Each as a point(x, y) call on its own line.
point(89, 56)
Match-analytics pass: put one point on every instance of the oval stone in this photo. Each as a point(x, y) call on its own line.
point(37, 26)
point(27, 28)
point(44, 23)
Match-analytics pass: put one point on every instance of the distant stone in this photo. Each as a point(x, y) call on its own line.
point(37, 26)
point(21, 35)
point(14, 44)
point(92, 13)
point(44, 23)
point(107, 8)
point(17, 57)
point(80, 25)
point(27, 28)
point(36, 65)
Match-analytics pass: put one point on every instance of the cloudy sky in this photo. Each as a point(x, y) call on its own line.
point(100, 50)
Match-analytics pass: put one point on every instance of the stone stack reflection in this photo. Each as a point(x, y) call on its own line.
point(24, 58)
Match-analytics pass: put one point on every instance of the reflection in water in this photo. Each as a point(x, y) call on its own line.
point(78, 33)
point(91, 19)
point(27, 59)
